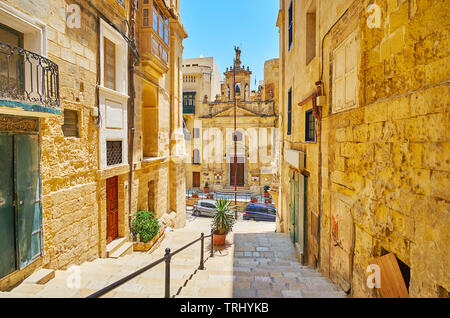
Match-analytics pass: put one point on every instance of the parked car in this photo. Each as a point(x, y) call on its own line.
point(260, 212)
point(204, 207)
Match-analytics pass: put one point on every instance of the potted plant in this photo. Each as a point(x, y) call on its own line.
point(268, 200)
point(223, 221)
point(195, 194)
point(266, 191)
point(206, 188)
point(210, 196)
point(253, 199)
point(146, 230)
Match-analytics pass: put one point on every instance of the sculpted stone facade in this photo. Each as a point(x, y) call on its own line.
point(209, 129)
point(375, 179)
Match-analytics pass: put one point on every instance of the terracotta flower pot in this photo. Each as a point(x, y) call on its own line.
point(254, 200)
point(195, 195)
point(219, 239)
point(205, 190)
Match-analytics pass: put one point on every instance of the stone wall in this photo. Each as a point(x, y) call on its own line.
point(390, 155)
point(384, 160)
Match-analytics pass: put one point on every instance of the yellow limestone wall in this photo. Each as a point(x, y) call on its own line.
point(74, 189)
point(385, 162)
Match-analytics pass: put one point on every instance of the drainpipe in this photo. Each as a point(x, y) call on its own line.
point(132, 95)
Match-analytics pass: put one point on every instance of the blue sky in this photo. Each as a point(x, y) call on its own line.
point(216, 26)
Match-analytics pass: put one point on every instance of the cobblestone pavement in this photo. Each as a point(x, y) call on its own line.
point(255, 262)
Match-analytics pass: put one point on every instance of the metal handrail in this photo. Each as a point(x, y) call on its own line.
point(167, 258)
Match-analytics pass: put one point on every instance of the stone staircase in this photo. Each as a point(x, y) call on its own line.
point(234, 274)
point(253, 264)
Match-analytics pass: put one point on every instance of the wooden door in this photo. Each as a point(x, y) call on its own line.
point(240, 174)
point(28, 198)
point(20, 206)
point(196, 179)
point(112, 209)
point(7, 219)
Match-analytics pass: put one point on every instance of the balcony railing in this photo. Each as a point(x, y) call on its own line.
point(28, 77)
point(188, 109)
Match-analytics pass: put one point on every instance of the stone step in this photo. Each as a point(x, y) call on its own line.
point(28, 288)
point(115, 245)
point(40, 277)
point(126, 248)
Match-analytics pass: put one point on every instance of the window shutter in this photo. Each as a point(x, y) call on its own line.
point(110, 64)
point(70, 127)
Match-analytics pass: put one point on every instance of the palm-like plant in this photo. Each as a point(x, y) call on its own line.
point(223, 218)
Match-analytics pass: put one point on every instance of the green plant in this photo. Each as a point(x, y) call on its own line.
point(266, 188)
point(206, 185)
point(223, 218)
point(145, 225)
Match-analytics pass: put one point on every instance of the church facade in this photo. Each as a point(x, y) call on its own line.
point(210, 130)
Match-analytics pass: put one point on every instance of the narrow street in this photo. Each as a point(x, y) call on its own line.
point(256, 262)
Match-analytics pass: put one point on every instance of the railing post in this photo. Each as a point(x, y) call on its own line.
point(212, 243)
point(167, 257)
point(201, 267)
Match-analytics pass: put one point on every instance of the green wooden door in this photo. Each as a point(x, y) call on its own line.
point(293, 205)
point(7, 220)
point(20, 208)
point(28, 198)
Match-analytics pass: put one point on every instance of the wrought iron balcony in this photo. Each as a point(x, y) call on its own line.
point(28, 80)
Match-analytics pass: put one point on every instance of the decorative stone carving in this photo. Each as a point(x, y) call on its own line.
point(14, 123)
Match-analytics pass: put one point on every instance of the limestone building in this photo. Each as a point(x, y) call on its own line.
point(65, 128)
point(209, 128)
point(364, 101)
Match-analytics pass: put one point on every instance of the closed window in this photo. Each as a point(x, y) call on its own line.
point(311, 33)
point(238, 136)
point(310, 126)
point(289, 123)
point(345, 75)
point(196, 158)
point(70, 127)
point(196, 133)
point(145, 17)
point(110, 64)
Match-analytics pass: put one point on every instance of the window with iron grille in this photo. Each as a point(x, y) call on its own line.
point(70, 127)
point(113, 153)
point(310, 126)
